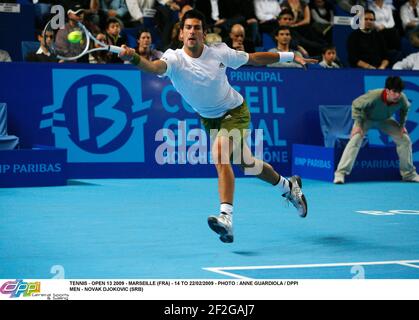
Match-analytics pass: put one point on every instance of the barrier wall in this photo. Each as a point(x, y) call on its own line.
point(15, 27)
point(107, 117)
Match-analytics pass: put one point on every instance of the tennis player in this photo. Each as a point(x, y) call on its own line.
point(198, 72)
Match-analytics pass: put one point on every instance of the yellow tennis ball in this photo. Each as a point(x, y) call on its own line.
point(75, 36)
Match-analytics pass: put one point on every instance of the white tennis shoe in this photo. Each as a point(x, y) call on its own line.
point(296, 196)
point(223, 226)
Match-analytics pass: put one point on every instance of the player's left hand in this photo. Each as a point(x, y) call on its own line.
point(403, 131)
point(304, 61)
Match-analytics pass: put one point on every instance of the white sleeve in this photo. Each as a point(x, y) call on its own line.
point(169, 57)
point(404, 15)
point(134, 9)
point(317, 18)
point(232, 58)
point(406, 64)
point(389, 22)
point(260, 11)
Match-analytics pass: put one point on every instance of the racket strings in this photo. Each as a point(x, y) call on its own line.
point(60, 46)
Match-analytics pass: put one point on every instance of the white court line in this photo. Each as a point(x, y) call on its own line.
point(409, 265)
point(223, 270)
point(233, 275)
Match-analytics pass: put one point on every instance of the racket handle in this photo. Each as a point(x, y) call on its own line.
point(115, 49)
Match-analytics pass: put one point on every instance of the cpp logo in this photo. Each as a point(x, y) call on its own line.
point(98, 115)
point(411, 90)
point(18, 287)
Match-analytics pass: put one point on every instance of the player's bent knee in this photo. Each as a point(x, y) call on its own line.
point(250, 163)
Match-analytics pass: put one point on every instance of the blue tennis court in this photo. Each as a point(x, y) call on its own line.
point(157, 228)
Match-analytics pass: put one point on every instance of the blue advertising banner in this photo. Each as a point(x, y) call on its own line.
point(33, 167)
point(373, 163)
point(313, 162)
point(117, 122)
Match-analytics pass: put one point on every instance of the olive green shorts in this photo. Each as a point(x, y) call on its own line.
point(235, 120)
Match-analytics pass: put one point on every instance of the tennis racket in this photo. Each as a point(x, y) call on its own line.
point(73, 41)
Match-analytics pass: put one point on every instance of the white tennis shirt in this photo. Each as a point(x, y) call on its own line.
point(202, 81)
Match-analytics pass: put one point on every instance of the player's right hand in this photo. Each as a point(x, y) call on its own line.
point(127, 53)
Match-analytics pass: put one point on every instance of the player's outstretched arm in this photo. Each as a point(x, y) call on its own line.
point(157, 67)
point(264, 58)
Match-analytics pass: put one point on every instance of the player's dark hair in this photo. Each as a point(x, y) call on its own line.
point(194, 14)
point(394, 83)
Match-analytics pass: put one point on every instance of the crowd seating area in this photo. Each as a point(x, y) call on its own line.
point(19, 30)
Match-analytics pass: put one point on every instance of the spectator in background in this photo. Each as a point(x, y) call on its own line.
point(91, 18)
point(251, 23)
point(411, 62)
point(283, 38)
point(145, 49)
point(366, 47)
point(113, 37)
point(329, 58)
point(322, 16)
point(42, 9)
point(213, 38)
point(221, 15)
point(267, 12)
point(299, 42)
point(89, 6)
point(238, 39)
point(176, 42)
point(4, 56)
point(301, 11)
point(233, 12)
point(409, 14)
point(384, 23)
point(301, 22)
point(113, 9)
point(42, 54)
point(211, 11)
point(140, 9)
point(164, 20)
point(75, 14)
point(347, 5)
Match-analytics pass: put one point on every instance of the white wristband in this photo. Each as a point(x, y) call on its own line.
point(286, 56)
